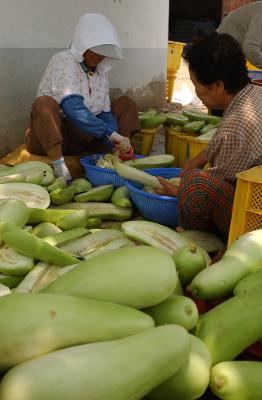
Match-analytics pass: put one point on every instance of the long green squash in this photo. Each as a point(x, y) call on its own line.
point(193, 126)
point(97, 243)
point(105, 211)
point(113, 245)
point(110, 246)
point(192, 380)
point(251, 283)
point(57, 183)
point(241, 259)
point(42, 275)
point(45, 229)
point(62, 195)
point(32, 246)
point(80, 185)
point(134, 174)
point(121, 197)
point(66, 236)
point(33, 175)
point(150, 112)
point(135, 276)
point(237, 380)
point(195, 115)
point(156, 161)
point(38, 215)
point(94, 223)
point(152, 122)
point(13, 178)
point(13, 263)
point(207, 136)
point(14, 211)
point(207, 128)
point(77, 219)
point(231, 327)
point(36, 324)
point(176, 119)
point(100, 193)
point(27, 166)
point(89, 243)
point(154, 234)
point(4, 167)
point(123, 369)
point(32, 195)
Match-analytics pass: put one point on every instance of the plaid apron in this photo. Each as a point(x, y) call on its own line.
point(205, 202)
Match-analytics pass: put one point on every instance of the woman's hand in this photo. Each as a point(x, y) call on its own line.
point(196, 162)
point(121, 143)
point(189, 164)
point(168, 189)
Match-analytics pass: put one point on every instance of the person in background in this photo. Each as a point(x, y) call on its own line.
point(72, 113)
point(205, 196)
point(245, 25)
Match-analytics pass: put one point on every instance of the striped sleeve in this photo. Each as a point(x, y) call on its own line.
point(233, 156)
point(237, 144)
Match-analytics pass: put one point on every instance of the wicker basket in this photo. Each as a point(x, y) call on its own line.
point(142, 141)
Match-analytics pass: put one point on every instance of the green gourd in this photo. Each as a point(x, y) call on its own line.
point(36, 324)
point(121, 369)
point(139, 277)
point(242, 258)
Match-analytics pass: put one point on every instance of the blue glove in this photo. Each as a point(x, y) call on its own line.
point(75, 110)
point(109, 120)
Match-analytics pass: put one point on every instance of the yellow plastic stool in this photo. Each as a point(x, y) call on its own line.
point(247, 207)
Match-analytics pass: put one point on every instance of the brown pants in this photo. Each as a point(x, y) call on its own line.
point(49, 128)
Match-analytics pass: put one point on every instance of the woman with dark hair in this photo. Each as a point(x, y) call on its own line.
point(218, 71)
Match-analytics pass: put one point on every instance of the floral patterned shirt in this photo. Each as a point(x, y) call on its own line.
point(64, 76)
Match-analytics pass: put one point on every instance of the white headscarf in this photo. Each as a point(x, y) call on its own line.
point(97, 33)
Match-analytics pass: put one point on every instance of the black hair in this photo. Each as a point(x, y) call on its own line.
point(218, 57)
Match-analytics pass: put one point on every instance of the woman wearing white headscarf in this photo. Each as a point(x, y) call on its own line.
point(72, 113)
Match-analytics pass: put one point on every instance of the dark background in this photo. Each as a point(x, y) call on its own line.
point(188, 17)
